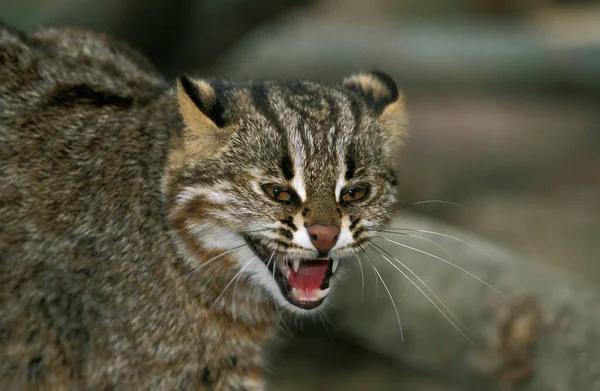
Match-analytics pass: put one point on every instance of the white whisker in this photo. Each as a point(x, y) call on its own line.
point(443, 260)
point(459, 240)
point(374, 278)
point(450, 237)
point(389, 294)
point(438, 202)
point(269, 262)
point(362, 278)
point(425, 294)
point(231, 282)
point(423, 238)
point(214, 258)
point(324, 322)
point(422, 282)
point(386, 213)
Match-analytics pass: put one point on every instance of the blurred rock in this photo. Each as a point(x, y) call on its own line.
point(540, 334)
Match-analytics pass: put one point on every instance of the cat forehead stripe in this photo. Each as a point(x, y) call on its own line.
point(295, 146)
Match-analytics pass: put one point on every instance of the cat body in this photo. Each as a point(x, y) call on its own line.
point(149, 234)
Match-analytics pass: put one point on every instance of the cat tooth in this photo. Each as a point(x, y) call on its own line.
point(322, 293)
point(296, 265)
point(336, 262)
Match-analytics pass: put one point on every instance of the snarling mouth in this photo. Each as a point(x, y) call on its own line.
point(304, 283)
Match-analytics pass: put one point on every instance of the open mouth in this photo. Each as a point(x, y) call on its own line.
point(304, 283)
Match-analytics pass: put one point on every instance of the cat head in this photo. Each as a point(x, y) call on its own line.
point(290, 178)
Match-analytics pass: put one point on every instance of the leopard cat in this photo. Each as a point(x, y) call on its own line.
point(150, 233)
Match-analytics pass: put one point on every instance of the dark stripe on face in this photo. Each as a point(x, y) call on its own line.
point(260, 98)
point(302, 111)
point(285, 233)
point(287, 167)
point(360, 242)
point(280, 243)
point(289, 223)
point(354, 224)
point(356, 111)
point(350, 164)
point(334, 114)
point(350, 155)
point(357, 233)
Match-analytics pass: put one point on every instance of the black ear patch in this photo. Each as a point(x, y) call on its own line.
point(378, 89)
point(206, 99)
point(389, 83)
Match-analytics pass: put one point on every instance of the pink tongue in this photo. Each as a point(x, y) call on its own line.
point(310, 274)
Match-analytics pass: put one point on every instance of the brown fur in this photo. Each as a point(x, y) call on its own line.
point(199, 143)
point(93, 295)
point(105, 282)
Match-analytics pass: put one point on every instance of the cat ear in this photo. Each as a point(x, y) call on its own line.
point(202, 115)
point(382, 95)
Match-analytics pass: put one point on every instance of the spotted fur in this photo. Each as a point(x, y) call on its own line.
point(128, 206)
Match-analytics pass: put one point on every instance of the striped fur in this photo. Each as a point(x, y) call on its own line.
point(317, 140)
point(134, 225)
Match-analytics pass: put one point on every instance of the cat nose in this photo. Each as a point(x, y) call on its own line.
point(324, 237)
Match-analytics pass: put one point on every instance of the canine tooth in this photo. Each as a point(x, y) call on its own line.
point(296, 265)
point(336, 262)
point(322, 293)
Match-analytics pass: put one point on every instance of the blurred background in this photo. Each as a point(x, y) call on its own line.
point(504, 105)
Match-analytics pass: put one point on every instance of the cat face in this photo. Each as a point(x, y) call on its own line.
point(291, 178)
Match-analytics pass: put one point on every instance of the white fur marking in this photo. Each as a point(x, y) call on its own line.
point(345, 237)
point(189, 193)
point(298, 160)
point(340, 185)
point(215, 237)
point(298, 183)
point(216, 193)
point(301, 237)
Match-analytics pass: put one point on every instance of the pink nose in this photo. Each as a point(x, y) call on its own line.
point(324, 237)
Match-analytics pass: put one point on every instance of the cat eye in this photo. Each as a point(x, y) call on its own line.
point(279, 193)
point(355, 194)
